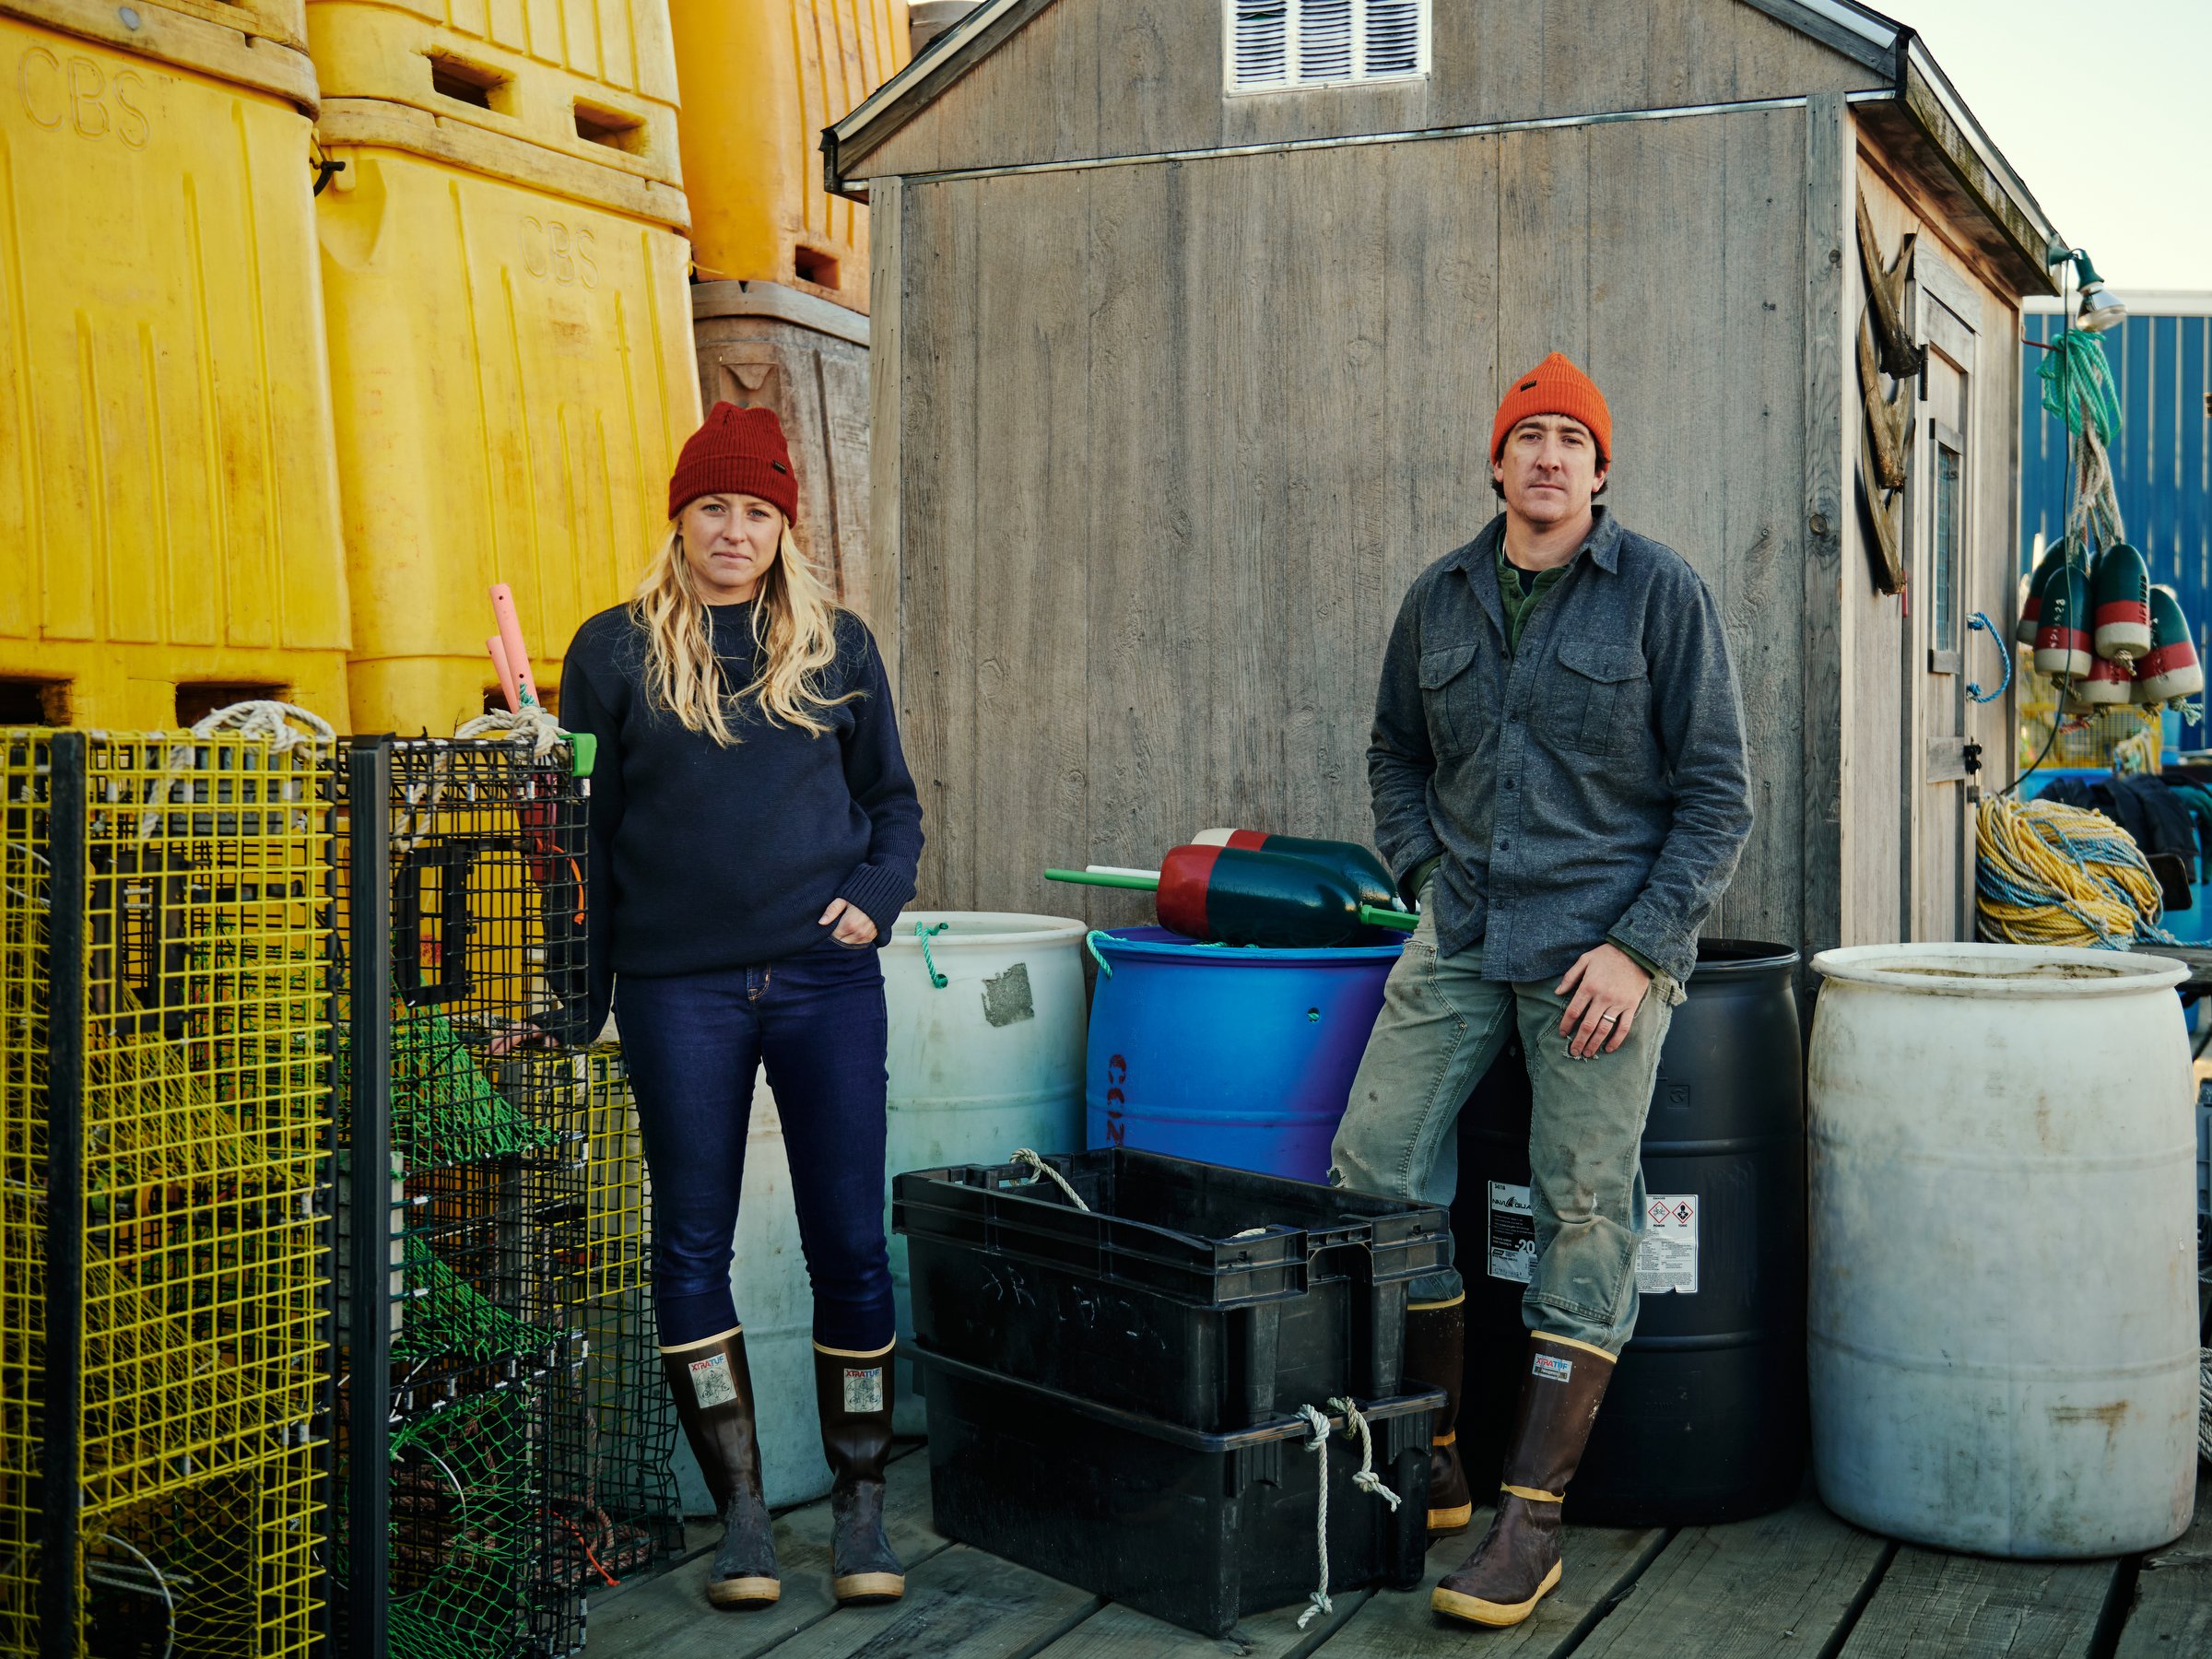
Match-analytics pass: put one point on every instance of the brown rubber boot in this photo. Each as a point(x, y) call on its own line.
point(714, 1390)
point(1436, 1354)
point(854, 1392)
point(1517, 1563)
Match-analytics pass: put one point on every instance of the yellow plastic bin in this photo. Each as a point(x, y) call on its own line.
point(511, 352)
point(761, 79)
point(168, 500)
point(593, 80)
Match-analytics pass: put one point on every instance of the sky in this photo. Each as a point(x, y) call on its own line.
point(2104, 109)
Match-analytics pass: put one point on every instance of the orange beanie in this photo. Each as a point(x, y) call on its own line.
point(1555, 386)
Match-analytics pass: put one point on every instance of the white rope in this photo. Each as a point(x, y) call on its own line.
point(256, 717)
point(532, 721)
point(267, 717)
point(1024, 1154)
point(1319, 1445)
point(1366, 1480)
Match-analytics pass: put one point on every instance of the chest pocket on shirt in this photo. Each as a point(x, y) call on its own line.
point(1451, 698)
point(1604, 697)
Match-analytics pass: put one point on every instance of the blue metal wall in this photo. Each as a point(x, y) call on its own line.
point(2163, 461)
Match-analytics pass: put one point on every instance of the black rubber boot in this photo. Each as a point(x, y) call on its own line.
point(853, 1394)
point(713, 1392)
point(1436, 1354)
point(1517, 1563)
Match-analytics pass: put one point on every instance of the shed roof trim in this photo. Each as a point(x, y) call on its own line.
point(1858, 31)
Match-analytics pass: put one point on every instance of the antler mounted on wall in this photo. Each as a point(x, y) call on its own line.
point(1886, 291)
point(1885, 350)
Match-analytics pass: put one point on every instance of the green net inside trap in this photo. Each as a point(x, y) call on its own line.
point(468, 1528)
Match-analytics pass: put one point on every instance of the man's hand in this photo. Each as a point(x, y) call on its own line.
point(1605, 988)
point(852, 925)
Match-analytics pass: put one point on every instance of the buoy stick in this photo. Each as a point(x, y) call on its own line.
point(506, 673)
point(1120, 870)
point(510, 638)
point(1376, 917)
point(1137, 879)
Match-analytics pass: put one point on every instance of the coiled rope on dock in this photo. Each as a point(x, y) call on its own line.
point(2049, 874)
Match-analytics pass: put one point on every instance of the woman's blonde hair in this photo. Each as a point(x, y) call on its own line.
point(793, 613)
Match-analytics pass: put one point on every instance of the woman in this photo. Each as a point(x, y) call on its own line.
point(754, 834)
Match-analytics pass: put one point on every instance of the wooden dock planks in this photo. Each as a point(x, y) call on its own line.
point(1933, 1606)
point(1119, 1632)
point(1600, 1562)
point(1784, 1582)
point(668, 1617)
point(2172, 1613)
point(960, 1603)
point(1793, 1583)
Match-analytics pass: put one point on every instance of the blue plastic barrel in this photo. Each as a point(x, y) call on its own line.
point(1234, 1055)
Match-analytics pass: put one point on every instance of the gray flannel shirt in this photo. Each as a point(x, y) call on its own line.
point(1591, 785)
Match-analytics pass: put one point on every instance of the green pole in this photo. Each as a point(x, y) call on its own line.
point(1143, 884)
point(1376, 917)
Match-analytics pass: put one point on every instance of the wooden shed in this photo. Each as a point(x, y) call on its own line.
point(1190, 318)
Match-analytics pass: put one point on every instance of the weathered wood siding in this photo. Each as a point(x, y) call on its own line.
point(1175, 437)
point(1085, 79)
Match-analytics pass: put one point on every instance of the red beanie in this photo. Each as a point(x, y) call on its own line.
point(738, 451)
point(1555, 386)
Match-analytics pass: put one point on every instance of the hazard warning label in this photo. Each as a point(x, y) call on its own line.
point(1512, 1233)
point(1668, 1260)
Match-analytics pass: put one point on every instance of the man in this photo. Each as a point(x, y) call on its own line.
point(1559, 777)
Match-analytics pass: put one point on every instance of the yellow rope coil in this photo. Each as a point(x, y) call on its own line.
point(2056, 875)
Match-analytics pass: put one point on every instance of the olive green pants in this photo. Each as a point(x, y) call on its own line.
point(1441, 1026)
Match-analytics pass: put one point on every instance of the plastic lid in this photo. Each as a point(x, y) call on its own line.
point(2014, 970)
point(983, 927)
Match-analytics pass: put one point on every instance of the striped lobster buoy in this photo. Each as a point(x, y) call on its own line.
point(2119, 604)
point(2169, 670)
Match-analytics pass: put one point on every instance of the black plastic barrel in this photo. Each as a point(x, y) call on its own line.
point(1705, 1419)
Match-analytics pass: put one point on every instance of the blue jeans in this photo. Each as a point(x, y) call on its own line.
point(691, 1042)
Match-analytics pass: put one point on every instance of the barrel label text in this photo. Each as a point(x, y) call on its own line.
point(1512, 1233)
point(1666, 1261)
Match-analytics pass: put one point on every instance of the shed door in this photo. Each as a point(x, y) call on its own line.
point(1939, 806)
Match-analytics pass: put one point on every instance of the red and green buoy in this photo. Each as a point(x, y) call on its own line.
point(2119, 604)
point(2062, 627)
point(1367, 873)
point(2169, 670)
point(1231, 895)
point(2032, 607)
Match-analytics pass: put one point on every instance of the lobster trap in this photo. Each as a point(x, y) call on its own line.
point(165, 954)
point(471, 1164)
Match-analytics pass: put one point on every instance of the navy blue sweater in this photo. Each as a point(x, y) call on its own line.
point(704, 857)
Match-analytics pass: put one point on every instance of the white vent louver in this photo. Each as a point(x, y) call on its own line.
point(1278, 44)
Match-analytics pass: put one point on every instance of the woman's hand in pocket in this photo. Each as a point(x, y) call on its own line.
point(853, 928)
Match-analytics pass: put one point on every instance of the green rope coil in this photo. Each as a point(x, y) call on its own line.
point(2077, 384)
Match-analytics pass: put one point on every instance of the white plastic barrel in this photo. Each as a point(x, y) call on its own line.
point(775, 1303)
point(989, 1061)
point(2001, 1321)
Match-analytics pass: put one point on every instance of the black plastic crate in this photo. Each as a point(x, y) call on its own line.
point(1155, 1301)
point(1197, 1529)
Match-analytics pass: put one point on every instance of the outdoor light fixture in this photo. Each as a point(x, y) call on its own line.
point(2100, 310)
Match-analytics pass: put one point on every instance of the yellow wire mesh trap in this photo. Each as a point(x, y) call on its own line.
point(202, 951)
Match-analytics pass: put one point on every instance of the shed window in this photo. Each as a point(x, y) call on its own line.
point(1950, 536)
point(1278, 44)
